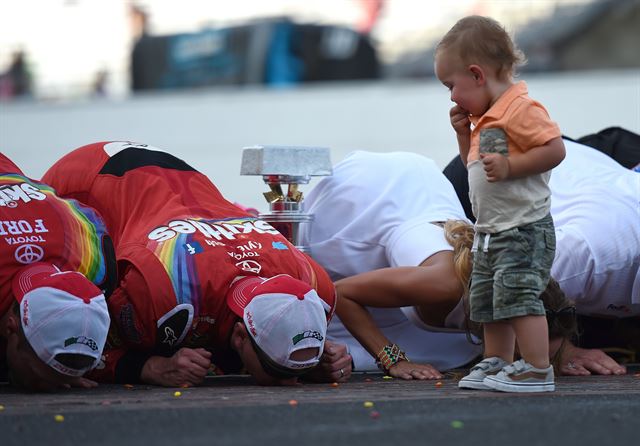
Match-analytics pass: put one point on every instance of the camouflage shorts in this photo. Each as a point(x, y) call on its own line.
point(509, 276)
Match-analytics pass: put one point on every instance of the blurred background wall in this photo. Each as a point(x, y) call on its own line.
point(203, 78)
point(70, 49)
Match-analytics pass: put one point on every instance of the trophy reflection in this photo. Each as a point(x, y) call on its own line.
point(286, 167)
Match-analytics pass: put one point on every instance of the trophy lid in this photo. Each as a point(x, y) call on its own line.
point(286, 161)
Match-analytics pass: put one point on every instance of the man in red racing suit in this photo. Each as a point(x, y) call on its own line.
point(182, 250)
point(41, 232)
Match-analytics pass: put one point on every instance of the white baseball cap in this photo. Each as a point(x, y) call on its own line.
point(61, 312)
point(282, 315)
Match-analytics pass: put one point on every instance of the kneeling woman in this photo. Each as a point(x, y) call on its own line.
point(391, 232)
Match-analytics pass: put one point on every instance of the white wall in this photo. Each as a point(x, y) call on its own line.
point(208, 128)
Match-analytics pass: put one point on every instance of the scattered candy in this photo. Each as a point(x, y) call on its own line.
point(438, 383)
point(334, 384)
point(1, 407)
point(177, 393)
point(457, 424)
point(184, 386)
point(637, 375)
point(374, 414)
point(387, 377)
point(368, 380)
point(293, 403)
point(59, 418)
point(128, 386)
point(368, 404)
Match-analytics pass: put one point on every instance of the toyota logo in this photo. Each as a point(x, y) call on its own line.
point(249, 266)
point(27, 254)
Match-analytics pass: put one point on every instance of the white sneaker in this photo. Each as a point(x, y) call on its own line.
point(522, 377)
point(486, 367)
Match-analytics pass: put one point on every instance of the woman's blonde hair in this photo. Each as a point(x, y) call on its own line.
point(482, 40)
point(459, 235)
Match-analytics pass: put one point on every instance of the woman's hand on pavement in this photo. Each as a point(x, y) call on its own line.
point(412, 370)
point(576, 361)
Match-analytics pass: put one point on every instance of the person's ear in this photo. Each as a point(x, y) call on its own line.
point(478, 74)
point(10, 325)
point(238, 336)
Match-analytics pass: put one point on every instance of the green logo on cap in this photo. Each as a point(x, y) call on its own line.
point(307, 334)
point(81, 340)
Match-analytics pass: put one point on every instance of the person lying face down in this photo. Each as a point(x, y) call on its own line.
point(55, 330)
point(392, 234)
point(201, 283)
point(55, 269)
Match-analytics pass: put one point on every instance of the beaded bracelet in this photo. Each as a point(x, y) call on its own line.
point(389, 356)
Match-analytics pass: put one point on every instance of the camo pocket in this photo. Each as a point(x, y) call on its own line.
point(523, 280)
point(518, 293)
point(493, 140)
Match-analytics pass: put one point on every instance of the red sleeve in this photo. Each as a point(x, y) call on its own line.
point(8, 166)
point(132, 334)
point(131, 308)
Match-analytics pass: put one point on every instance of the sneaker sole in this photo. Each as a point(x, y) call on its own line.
point(475, 385)
point(518, 388)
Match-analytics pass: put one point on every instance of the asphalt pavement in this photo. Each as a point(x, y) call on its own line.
point(371, 410)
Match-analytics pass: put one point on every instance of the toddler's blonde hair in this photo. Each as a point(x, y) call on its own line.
point(483, 41)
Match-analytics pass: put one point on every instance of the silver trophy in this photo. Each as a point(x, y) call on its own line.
point(290, 166)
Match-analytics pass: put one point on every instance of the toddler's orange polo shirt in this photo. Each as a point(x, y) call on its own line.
point(525, 121)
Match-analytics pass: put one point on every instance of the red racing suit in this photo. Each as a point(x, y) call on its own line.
point(36, 225)
point(179, 246)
